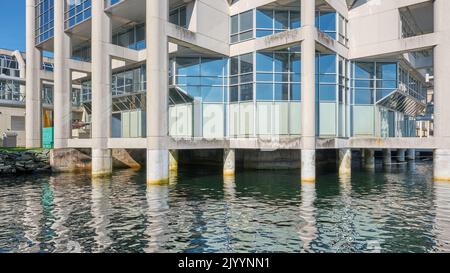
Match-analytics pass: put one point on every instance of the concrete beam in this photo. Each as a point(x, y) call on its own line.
point(391, 47)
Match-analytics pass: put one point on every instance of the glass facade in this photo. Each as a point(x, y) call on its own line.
point(178, 16)
point(204, 79)
point(411, 84)
point(44, 20)
point(333, 24)
point(278, 75)
point(241, 27)
point(270, 21)
point(133, 37)
point(10, 91)
point(372, 81)
point(76, 11)
point(9, 66)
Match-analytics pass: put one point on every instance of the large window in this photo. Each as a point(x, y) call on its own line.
point(44, 20)
point(269, 21)
point(202, 78)
point(129, 81)
point(241, 78)
point(9, 66)
point(326, 70)
point(133, 37)
point(76, 12)
point(333, 24)
point(241, 27)
point(10, 90)
point(372, 81)
point(278, 75)
point(178, 16)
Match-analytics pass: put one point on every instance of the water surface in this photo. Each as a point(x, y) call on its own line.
point(396, 210)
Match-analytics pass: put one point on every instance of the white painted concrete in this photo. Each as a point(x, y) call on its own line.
point(101, 90)
point(308, 168)
point(33, 87)
point(345, 161)
point(229, 162)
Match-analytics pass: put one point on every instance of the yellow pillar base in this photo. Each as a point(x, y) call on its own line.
point(163, 181)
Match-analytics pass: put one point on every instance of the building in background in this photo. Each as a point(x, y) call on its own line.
point(242, 75)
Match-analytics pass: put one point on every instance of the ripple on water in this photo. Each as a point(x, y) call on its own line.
point(388, 211)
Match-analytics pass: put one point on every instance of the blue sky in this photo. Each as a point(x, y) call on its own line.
point(12, 24)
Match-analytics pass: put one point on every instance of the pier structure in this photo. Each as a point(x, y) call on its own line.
point(268, 77)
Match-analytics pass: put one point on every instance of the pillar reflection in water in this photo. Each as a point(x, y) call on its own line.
point(157, 233)
point(101, 210)
point(345, 234)
point(32, 218)
point(62, 207)
point(229, 190)
point(442, 219)
point(308, 228)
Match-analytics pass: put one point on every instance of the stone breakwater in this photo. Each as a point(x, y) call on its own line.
point(12, 162)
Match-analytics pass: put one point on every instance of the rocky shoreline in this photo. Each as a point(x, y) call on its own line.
point(27, 161)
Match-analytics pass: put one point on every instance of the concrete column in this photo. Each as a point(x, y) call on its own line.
point(33, 86)
point(62, 79)
point(345, 161)
point(229, 162)
point(369, 159)
point(101, 91)
point(173, 160)
point(441, 94)
point(157, 92)
point(401, 155)
point(308, 55)
point(387, 157)
point(411, 154)
point(441, 165)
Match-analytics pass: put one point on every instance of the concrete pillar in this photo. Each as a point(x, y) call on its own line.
point(411, 154)
point(229, 162)
point(387, 157)
point(33, 85)
point(345, 161)
point(157, 92)
point(441, 165)
point(101, 91)
point(369, 159)
point(401, 155)
point(308, 55)
point(62, 79)
point(441, 94)
point(173, 160)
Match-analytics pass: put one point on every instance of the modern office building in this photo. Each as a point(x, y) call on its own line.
point(242, 75)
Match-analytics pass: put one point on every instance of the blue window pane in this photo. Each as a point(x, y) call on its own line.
point(188, 66)
point(327, 63)
point(264, 77)
point(264, 91)
point(264, 19)
point(212, 94)
point(327, 92)
point(264, 61)
point(246, 92)
point(364, 70)
point(382, 93)
point(281, 19)
point(295, 92)
point(327, 21)
point(364, 84)
point(281, 62)
point(363, 96)
point(387, 71)
point(234, 93)
point(327, 78)
point(295, 20)
point(281, 91)
point(194, 91)
point(212, 67)
point(263, 33)
point(387, 84)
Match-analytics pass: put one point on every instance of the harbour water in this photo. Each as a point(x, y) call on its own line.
point(395, 210)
